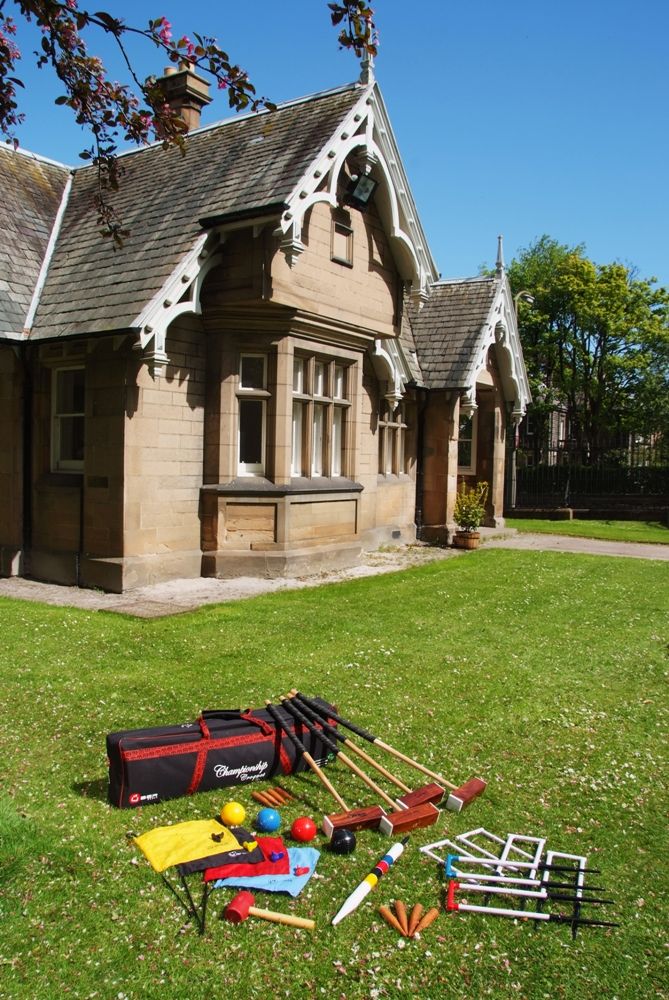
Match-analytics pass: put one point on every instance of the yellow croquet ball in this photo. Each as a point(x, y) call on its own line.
point(233, 813)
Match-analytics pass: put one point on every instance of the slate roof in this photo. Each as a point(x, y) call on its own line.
point(31, 191)
point(241, 164)
point(448, 329)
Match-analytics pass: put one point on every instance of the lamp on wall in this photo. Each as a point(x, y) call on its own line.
point(361, 190)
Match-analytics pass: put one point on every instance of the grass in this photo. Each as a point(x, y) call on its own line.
point(544, 673)
point(652, 532)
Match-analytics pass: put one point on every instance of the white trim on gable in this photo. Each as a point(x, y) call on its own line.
point(169, 303)
point(48, 254)
point(501, 329)
point(367, 128)
point(391, 366)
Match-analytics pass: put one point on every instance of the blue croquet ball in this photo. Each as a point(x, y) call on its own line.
point(268, 820)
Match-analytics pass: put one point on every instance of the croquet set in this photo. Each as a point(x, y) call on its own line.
point(223, 749)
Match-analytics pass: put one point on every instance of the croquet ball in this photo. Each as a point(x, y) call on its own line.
point(303, 829)
point(268, 820)
point(233, 813)
point(342, 841)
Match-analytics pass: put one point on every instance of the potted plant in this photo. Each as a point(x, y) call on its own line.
point(468, 514)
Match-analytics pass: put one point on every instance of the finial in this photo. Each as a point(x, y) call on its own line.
point(499, 267)
point(367, 68)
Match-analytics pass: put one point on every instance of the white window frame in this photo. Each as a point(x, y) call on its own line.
point(320, 388)
point(255, 394)
point(341, 242)
point(58, 463)
point(392, 429)
point(297, 439)
point(469, 470)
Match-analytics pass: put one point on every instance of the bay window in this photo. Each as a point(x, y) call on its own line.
point(320, 406)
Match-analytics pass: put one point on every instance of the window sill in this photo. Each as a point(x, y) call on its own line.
point(260, 486)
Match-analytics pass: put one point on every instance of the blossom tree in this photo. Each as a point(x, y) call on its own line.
point(134, 111)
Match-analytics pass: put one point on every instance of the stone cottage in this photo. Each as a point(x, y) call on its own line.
point(266, 378)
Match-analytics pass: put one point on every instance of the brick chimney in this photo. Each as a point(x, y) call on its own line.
point(185, 92)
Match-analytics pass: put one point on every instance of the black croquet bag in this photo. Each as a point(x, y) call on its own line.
point(220, 749)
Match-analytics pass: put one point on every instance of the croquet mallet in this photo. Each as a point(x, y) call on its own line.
point(355, 819)
point(428, 793)
point(459, 797)
point(402, 818)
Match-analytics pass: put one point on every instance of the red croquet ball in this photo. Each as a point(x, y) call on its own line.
point(303, 829)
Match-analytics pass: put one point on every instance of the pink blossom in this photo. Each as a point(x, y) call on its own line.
point(165, 33)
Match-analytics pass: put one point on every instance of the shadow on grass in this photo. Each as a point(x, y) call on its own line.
point(96, 788)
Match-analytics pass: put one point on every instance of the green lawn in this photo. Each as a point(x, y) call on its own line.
point(544, 673)
point(653, 532)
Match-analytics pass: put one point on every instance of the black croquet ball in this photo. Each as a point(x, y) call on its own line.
point(342, 841)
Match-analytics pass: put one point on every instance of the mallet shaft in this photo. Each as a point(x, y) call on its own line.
point(299, 746)
point(384, 746)
point(393, 779)
point(282, 918)
point(301, 717)
point(295, 698)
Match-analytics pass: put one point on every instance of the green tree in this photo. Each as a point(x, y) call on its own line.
point(596, 341)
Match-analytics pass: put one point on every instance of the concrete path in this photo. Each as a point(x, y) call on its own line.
point(589, 546)
point(178, 596)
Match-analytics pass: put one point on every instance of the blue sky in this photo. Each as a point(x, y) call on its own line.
point(520, 118)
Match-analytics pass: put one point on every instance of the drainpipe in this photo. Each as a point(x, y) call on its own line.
point(27, 486)
point(421, 400)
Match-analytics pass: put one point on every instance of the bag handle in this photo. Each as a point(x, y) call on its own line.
point(233, 713)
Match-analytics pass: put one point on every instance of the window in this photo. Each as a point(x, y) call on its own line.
point(467, 444)
point(67, 420)
point(320, 405)
point(252, 396)
point(341, 241)
point(392, 440)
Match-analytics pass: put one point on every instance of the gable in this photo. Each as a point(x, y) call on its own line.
point(455, 329)
point(31, 193)
point(244, 165)
point(448, 328)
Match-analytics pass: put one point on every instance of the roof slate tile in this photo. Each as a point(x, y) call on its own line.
point(250, 162)
point(31, 194)
point(449, 328)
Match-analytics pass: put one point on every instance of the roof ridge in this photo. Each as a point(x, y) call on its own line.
point(464, 281)
point(20, 151)
point(239, 118)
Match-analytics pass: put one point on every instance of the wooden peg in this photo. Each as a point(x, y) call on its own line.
point(401, 913)
point(414, 920)
point(391, 919)
point(429, 917)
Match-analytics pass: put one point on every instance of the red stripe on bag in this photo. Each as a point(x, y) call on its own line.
point(221, 743)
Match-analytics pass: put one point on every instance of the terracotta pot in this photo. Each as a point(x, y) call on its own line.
point(466, 539)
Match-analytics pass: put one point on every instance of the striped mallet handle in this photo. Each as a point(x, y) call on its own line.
point(365, 735)
point(301, 749)
point(298, 714)
point(348, 743)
